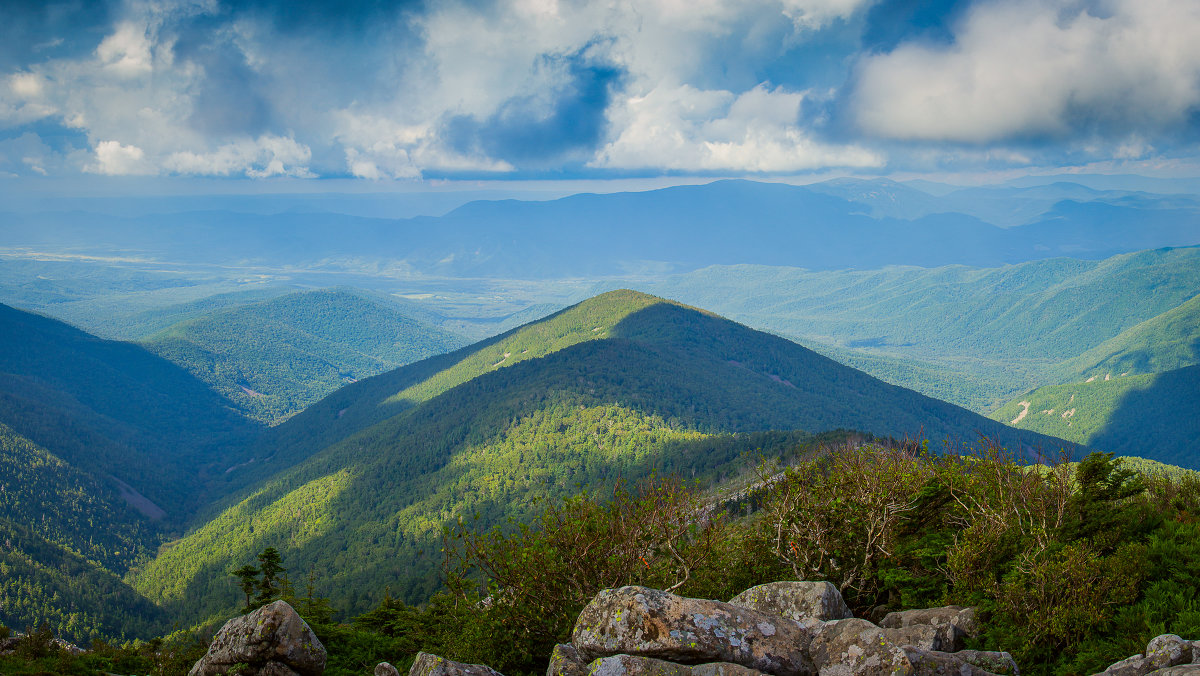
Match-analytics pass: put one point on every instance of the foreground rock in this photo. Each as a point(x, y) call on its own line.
point(428, 664)
point(854, 647)
point(1166, 655)
point(652, 623)
point(953, 625)
point(632, 665)
point(271, 641)
point(798, 601)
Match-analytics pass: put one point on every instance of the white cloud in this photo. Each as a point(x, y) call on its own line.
point(1040, 68)
point(257, 158)
point(685, 128)
point(115, 159)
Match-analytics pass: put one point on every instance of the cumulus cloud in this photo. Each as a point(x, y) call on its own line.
point(688, 129)
point(1049, 69)
point(116, 159)
point(257, 158)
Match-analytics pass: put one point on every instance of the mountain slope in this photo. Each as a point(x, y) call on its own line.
point(616, 387)
point(1003, 328)
point(275, 357)
point(68, 539)
point(1164, 342)
point(112, 409)
point(1155, 416)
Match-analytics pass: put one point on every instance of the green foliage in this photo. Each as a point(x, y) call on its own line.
point(1153, 415)
point(274, 357)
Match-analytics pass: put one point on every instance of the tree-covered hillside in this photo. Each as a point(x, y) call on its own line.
point(990, 333)
point(616, 387)
point(1154, 415)
point(114, 409)
point(273, 358)
point(68, 538)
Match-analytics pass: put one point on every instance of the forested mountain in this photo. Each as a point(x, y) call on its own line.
point(116, 411)
point(68, 538)
point(272, 358)
point(829, 226)
point(973, 336)
point(1154, 415)
point(616, 387)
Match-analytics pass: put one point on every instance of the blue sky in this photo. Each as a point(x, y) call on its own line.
point(556, 90)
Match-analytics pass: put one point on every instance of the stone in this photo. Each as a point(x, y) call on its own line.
point(937, 663)
point(723, 669)
point(652, 623)
point(923, 636)
point(273, 641)
point(428, 664)
point(796, 601)
point(993, 661)
point(1167, 650)
point(855, 647)
point(961, 622)
point(566, 661)
point(1130, 666)
point(632, 665)
point(386, 669)
point(1180, 670)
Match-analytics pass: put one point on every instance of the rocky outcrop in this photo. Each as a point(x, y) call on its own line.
point(798, 601)
point(778, 629)
point(953, 624)
point(1166, 655)
point(386, 669)
point(428, 664)
point(272, 640)
point(651, 623)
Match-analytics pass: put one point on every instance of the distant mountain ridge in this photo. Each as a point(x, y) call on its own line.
point(836, 225)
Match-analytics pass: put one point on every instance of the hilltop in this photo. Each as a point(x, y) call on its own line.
point(614, 388)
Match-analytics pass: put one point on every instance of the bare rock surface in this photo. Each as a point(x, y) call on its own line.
point(798, 601)
point(937, 663)
point(633, 665)
point(273, 641)
point(923, 636)
point(565, 660)
point(957, 623)
point(723, 669)
point(653, 623)
point(1164, 653)
point(855, 647)
point(996, 662)
point(386, 669)
point(428, 664)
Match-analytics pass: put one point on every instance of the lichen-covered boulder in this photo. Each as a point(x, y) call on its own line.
point(428, 664)
point(723, 669)
point(633, 665)
point(991, 661)
point(386, 669)
point(565, 660)
point(855, 647)
point(1180, 670)
point(273, 641)
point(959, 623)
point(652, 623)
point(1163, 652)
point(796, 601)
point(923, 636)
point(937, 663)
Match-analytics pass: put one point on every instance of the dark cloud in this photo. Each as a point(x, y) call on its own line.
point(32, 31)
point(231, 100)
point(522, 133)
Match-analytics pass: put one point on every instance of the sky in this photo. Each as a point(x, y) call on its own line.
point(373, 91)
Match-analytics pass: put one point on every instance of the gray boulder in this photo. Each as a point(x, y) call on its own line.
point(855, 647)
point(937, 663)
point(632, 665)
point(565, 660)
point(957, 623)
point(273, 641)
point(1162, 652)
point(798, 601)
point(652, 623)
point(428, 664)
point(1181, 670)
point(996, 662)
point(723, 669)
point(923, 636)
point(386, 669)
